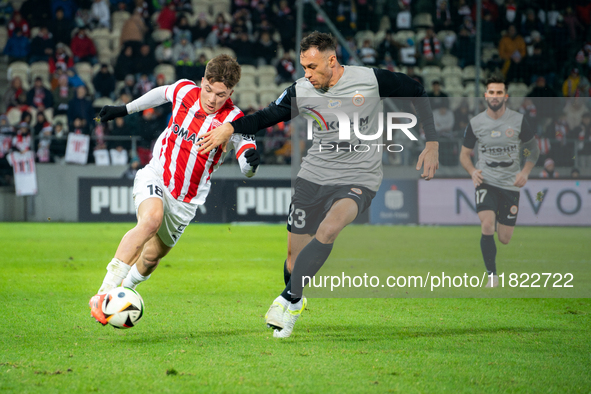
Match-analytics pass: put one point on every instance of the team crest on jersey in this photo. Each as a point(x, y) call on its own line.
point(356, 191)
point(509, 132)
point(495, 134)
point(358, 100)
point(513, 209)
point(334, 103)
point(215, 123)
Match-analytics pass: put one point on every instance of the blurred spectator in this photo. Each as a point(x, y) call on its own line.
point(183, 52)
point(220, 31)
point(430, 49)
point(146, 62)
point(182, 28)
point(410, 72)
point(266, 49)
point(18, 22)
point(104, 82)
point(468, 25)
point(260, 13)
point(22, 140)
point(539, 64)
point(43, 132)
point(462, 116)
point(11, 95)
point(244, 49)
point(464, 48)
point(6, 134)
point(388, 63)
point(68, 6)
point(61, 27)
point(285, 22)
point(559, 39)
point(531, 24)
point(42, 46)
point(562, 150)
point(62, 95)
point(83, 47)
point(36, 12)
point(164, 52)
point(143, 85)
point(58, 144)
point(74, 79)
point(79, 127)
point(129, 87)
point(125, 63)
point(549, 170)
point(161, 79)
point(60, 59)
point(199, 69)
point(509, 15)
point(388, 45)
point(119, 156)
point(39, 96)
point(80, 107)
point(133, 30)
point(570, 86)
point(461, 10)
point(133, 168)
point(442, 16)
point(17, 47)
point(489, 30)
point(575, 109)
point(437, 97)
point(367, 54)
point(121, 128)
point(100, 14)
point(575, 173)
point(83, 17)
point(285, 69)
point(512, 50)
point(487, 6)
point(574, 27)
point(201, 31)
point(583, 133)
point(167, 17)
point(530, 112)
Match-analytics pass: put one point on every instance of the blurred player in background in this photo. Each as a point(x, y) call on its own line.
point(502, 134)
point(332, 188)
point(168, 191)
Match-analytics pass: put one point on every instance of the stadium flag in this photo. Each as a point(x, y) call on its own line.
point(25, 177)
point(77, 148)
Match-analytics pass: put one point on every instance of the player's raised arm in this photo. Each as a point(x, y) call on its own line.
point(278, 111)
point(401, 85)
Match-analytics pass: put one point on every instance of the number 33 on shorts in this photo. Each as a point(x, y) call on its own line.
point(297, 217)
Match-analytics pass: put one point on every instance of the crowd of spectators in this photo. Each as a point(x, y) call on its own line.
point(123, 43)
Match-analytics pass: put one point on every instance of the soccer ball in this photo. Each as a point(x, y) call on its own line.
point(123, 307)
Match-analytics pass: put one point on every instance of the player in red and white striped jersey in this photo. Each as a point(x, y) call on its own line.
point(177, 180)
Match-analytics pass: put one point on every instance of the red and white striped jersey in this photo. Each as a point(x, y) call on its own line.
point(186, 172)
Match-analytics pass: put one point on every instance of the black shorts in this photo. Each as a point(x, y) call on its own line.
point(311, 202)
point(504, 203)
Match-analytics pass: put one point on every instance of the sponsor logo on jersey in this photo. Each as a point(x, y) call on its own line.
point(356, 190)
point(513, 209)
point(509, 132)
point(358, 99)
point(495, 134)
point(334, 103)
point(503, 164)
point(498, 150)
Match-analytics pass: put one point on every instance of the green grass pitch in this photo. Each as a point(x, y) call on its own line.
point(203, 328)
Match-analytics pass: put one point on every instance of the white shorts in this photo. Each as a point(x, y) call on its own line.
point(149, 183)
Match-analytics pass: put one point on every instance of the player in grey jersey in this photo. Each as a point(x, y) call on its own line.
point(332, 188)
point(502, 135)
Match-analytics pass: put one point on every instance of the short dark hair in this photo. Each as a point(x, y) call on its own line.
point(322, 41)
point(496, 79)
point(223, 69)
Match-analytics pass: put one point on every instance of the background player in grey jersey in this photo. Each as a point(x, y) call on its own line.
point(502, 134)
point(330, 191)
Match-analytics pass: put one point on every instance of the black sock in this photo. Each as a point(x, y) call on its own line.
point(286, 273)
point(308, 263)
point(489, 253)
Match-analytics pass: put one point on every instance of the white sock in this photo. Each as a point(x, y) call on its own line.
point(282, 301)
point(116, 271)
point(297, 306)
point(134, 278)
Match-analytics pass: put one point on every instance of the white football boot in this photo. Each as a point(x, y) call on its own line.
point(289, 320)
point(274, 316)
